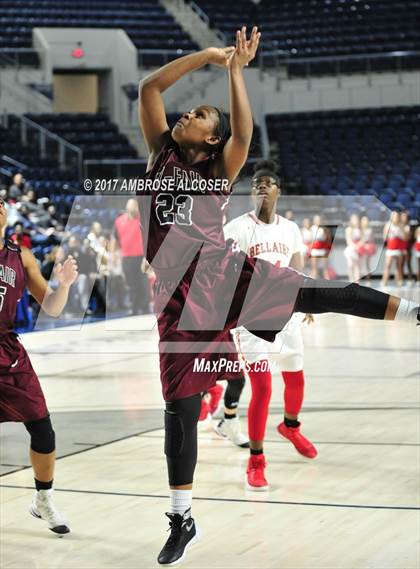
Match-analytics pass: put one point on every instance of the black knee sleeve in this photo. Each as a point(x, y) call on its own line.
point(181, 419)
point(320, 296)
point(233, 392)
point(42, 435)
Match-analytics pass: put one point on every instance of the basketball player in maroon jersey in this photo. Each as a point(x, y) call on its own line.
point(21, 397)
point(190, 172)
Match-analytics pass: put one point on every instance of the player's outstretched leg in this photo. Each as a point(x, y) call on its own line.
point(318, 296)
point(289, 428)
point(230, 427)
point(181, 419)
point(42, 455)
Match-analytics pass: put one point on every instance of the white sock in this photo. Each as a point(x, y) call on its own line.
point(407, 311)
point(181, 501)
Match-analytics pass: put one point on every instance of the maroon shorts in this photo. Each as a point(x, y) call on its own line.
point(213, 297)
point(21, 397)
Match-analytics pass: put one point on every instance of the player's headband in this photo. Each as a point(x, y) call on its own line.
point(266, 172)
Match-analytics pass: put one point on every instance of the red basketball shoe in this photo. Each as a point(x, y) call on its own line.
point(216, 393)
point(255, 479)
point(301, 444)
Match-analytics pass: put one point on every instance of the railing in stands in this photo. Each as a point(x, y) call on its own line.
point(20, 56)
point(267, 59)
point(158, 57)
point(203, 16)
point(13, 162)
point(67, 154)
point(9, 166)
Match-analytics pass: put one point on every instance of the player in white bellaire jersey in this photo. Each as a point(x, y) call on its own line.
point(265, 234)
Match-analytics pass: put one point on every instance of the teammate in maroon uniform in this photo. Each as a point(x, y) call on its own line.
point(21, 397)
point(199, 275)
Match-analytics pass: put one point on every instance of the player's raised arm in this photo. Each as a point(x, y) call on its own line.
point(152, 114)
point(52, 302)
point(236, 150)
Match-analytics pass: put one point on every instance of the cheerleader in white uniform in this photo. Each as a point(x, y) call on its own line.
point(352, 250)
point(394, 235)
point(408, 243)
point(368, 246)
point(321, 246)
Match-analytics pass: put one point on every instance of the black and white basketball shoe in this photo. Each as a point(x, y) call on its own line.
point(184, 533)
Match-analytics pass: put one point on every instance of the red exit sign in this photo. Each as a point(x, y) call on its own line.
point(78, 52)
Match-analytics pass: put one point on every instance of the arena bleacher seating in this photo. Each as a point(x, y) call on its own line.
point(94, 133)
point(318, 28)
point(147, 22)
point(352, 152)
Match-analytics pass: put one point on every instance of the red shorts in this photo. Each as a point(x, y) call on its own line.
point(21, 397)
point(195, 317)
point(369, 249)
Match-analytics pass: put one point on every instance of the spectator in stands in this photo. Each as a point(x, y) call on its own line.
point(49, 261)
point(96, 278)
point(30, 196)
point(21, 237)
point(115, 300)
point(95, 236)
point(289, 215)
point(128, 235)
point(87, 274)
point(18, 187)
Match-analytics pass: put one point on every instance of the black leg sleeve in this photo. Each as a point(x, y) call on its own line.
point(233, 392)
point(181, 418)
point(320, 296)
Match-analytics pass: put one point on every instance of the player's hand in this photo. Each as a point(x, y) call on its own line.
point(66, 273)
point(220, 55)
point(245, 49)
point(309, 318)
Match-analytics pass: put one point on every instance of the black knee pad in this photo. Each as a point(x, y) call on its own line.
point(174, 434)
point(331, 296)
point(233, 392)
point(181, 419)
point(42, 435)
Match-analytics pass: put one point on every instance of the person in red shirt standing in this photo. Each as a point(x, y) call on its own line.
point(20, 237)
point(129, 237)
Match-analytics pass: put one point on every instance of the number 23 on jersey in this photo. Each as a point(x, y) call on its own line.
point(174, 210)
